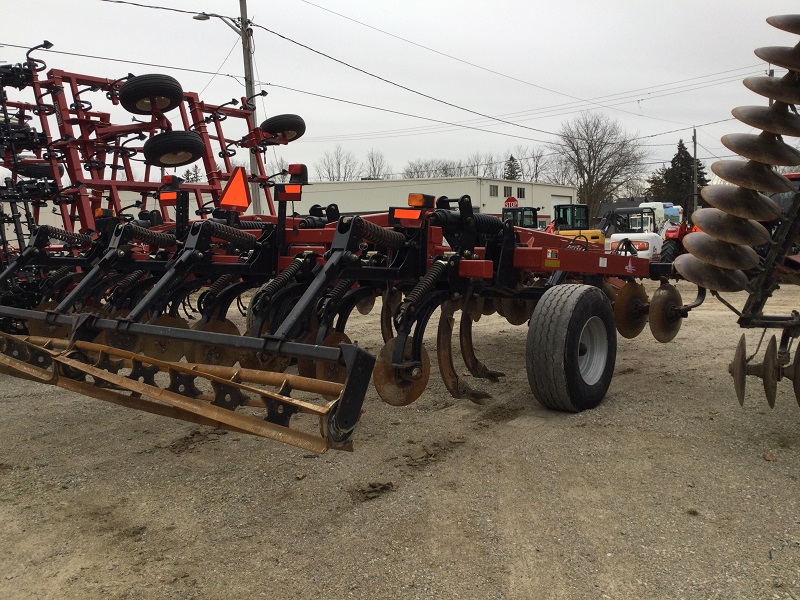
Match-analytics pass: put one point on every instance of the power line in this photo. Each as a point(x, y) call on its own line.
point(122, 60)
point(397, 112)
point(592, 101)
point(400, 86)
point(177, 10)
point(237, 77)
point(491, 118)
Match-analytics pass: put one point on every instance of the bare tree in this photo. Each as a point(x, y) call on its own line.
point(484, 165)
point(375, 166)
point(635, 188)
point(602, 156)
point(277, 165)
point(532, 162)
point(424, 168)
point(559, 171)
point(339, 165)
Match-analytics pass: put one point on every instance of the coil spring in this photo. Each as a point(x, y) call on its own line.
point(382, 236)
point(77, 239)
point(488, 224)
point(152, 238)
point(283, 278)
point(251, 224)
point(213, 291)
point(221, 283)
point(427, 283)
point(49, 282)
point(59, 273)
point(338, 292)
point(128, 281)
point(241, 239)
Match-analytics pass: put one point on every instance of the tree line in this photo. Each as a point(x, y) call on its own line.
point(592, 152)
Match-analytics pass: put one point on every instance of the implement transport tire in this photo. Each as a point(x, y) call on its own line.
point(173, 149)
point(291, 127)
point(571, 347)
point(37, 170)
point(140, 95)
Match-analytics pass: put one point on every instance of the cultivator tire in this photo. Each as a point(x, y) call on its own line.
point(670, 250)
point(173, 149)
point(571, 348)
point(292, 127)
point(140, 95)
point(37, 170)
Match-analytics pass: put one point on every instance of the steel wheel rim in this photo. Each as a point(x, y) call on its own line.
point(161, 102)
point(176, 158)
point(593, 350)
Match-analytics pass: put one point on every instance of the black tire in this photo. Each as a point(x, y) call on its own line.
point(173, 149)
point(139, 94)
point(571, 348)
point(292, 127)
point(670, 250)
point(37, 170)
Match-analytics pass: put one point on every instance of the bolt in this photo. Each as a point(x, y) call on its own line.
point(416, 373)
point(120, 253)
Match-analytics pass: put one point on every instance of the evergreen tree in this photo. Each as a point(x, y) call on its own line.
point(192, 175)
point(674, 183)
point(511, 169)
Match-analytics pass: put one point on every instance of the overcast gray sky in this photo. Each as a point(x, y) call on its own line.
point(656, 67)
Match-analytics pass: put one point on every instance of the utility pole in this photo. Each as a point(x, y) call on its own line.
point(246, 33)
point(247, 54)
point(694, 172)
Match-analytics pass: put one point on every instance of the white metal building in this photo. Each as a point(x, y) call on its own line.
point(488, 195)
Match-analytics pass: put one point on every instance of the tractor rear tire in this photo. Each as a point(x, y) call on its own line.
point(173, 149)
point(571, 348)
point(140, 95)
point(670, 250)
point(292, 127)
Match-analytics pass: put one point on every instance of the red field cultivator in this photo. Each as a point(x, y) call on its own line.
point(102, 305)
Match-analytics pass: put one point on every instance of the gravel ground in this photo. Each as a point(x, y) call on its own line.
point(668, 490)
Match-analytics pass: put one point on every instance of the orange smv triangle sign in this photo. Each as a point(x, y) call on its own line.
point(236, 195)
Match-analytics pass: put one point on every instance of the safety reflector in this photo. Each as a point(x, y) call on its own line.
point(236, 195)
point(405, 217)
point(288, 192)
point(168, 196)
point(407, 213)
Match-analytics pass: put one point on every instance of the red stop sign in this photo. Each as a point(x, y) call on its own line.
point(511, 202)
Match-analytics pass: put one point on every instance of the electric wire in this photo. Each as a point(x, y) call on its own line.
point(492, 118)
point(236, 43)
point(510, 77)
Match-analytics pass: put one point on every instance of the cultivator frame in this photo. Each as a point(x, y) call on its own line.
point(97, 308)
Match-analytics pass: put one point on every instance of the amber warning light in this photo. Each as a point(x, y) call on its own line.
point(421, 200)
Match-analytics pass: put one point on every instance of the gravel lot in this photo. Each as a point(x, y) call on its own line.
point(668, 490)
